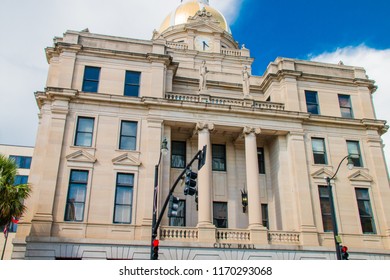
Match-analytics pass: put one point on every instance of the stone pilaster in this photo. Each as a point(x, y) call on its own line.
point(150, 151)
point(380, 189)
point(46, 174)
point(301, 183)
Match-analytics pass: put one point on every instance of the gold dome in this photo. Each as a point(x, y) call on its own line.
point(188, 9)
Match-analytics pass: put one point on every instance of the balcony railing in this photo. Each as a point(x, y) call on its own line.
point(225, 101)
point(238, 236)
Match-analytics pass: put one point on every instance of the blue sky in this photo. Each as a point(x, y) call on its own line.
point(296, 29)
point(356, 32)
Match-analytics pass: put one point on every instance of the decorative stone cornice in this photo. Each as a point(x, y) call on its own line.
point(203, 15)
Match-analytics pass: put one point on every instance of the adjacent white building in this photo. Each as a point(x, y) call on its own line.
point(23, 157)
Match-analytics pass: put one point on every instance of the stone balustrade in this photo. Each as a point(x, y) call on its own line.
point(238, 236)
point(233, 236)
point(278, 237)
point(182, 97)
point(178, 233)
point(231, 52)
point(177, 46)
point(226, 101)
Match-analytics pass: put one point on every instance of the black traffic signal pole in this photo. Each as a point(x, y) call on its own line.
point(156, 226)
point(333, 211)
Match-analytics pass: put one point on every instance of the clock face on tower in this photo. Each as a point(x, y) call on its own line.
point(204, 43)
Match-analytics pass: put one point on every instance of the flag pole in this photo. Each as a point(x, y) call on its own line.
point(6, 239)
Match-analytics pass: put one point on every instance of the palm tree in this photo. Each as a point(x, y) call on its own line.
point(11, 197)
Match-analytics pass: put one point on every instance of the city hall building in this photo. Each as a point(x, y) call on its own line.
point(271, 140)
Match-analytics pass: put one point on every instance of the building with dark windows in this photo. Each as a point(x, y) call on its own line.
point(22, 156)
point(271, 140)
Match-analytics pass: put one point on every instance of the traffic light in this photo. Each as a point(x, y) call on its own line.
point(344, 253)
point(202, 157)
point(173, 206)
point(190, 183)
point(156, 242)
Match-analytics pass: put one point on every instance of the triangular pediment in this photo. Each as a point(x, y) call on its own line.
point(204, 27)
point(322, 173)
point(360, 176)
point(126, 159)
point(81, 156)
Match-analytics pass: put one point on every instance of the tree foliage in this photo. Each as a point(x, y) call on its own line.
point(11, 197)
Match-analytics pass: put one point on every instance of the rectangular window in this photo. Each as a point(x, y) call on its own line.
point(219, 157)
point(345, 106)
point(91, 79)
point(354, 152)
point(75, 202)
point(312, 102)
point(128, 137)
point(260, 160)
point(325, 208)
point(20, 179)
point(132, 83)
point(220, 215)
point(22, 161)
point(365, 211)
point(178, 158)
point(319, 151)
point(180, 219)
point(84, 132)
point(264, 214)
point(123, 198)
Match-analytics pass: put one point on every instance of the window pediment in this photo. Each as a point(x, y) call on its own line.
point(322, 173)
point(126, 159)
point(360, 176)
point(81, 156)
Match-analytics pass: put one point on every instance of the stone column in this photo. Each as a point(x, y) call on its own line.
point(205, 183)
point(252, 176)
point(258, 232)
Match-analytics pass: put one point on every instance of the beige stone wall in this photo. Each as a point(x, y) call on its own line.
point(284, 130)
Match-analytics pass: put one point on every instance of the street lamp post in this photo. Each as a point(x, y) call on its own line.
point(337, 240)
point(163, 151)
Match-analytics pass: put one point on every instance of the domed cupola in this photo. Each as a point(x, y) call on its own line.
point(188, 9)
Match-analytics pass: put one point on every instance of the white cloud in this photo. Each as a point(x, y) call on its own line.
point(28, 27)
point(377, 65)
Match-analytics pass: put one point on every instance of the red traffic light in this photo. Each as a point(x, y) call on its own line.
point(156, 242)
point(344, 249)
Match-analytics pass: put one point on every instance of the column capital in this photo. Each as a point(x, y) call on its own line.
point(249, 129)
point(204, 125)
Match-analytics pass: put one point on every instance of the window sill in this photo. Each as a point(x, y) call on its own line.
point(135, 152)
